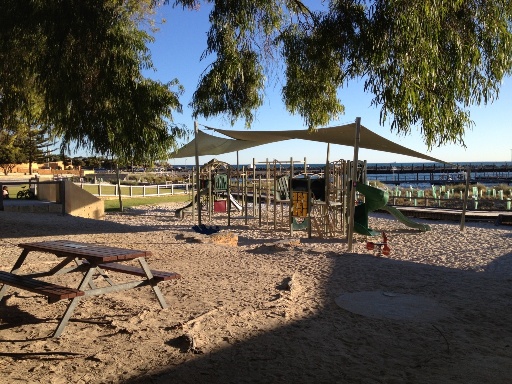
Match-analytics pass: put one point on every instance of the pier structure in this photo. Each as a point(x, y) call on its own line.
point(436, 174)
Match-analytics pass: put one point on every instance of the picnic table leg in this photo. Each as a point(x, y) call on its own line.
point(103, 274)
point(14, 269)
point(73, 303)
point(20, 261)
point(3, 290)
point(100, 271)
point(161, 299)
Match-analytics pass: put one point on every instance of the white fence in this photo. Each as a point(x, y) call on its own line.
point(109, 190)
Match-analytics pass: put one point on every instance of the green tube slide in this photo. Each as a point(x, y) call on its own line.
point(375, 199)
point(405, 220)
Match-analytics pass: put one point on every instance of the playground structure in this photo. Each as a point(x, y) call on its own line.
point(283, 199)
point(212, 191)
point(379, 248)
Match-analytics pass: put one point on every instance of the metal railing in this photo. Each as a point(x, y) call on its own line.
point(473, 203)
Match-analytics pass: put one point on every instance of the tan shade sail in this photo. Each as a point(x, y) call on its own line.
point(342, 135)
point(209, 145)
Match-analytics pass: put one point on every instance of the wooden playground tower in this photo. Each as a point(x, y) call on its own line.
point(320, 208)
point(300, 203)
point(212, 190)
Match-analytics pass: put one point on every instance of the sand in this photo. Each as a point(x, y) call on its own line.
point(272, 309)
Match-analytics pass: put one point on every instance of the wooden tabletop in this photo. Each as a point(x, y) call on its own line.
point(92, 252)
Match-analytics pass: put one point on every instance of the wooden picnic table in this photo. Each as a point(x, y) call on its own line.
point(91, 260)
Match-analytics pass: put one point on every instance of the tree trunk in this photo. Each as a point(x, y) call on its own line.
point(119, 188)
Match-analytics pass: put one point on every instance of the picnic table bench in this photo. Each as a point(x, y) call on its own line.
point(52, 291)
point(91, 260)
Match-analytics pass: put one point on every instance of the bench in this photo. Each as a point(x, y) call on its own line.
point(503, 220)
point(52, 291)
point(158, 276)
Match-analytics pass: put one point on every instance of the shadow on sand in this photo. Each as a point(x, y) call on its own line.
point(471, 342)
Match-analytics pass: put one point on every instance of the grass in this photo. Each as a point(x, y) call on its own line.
point(113, 205)
point(14, 189)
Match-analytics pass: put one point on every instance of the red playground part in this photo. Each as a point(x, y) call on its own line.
point(381, 248)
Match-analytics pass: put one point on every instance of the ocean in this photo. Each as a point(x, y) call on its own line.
point(462, 165)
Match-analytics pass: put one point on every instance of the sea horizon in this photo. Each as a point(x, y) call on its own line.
point(460, 164)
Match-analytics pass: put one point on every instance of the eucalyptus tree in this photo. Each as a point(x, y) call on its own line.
point(87, 58)
point(145, 131)
point(424, 61)
point(10, 153)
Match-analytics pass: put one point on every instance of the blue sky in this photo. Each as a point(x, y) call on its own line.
point(176, 54)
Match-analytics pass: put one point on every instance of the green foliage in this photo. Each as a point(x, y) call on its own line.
point(10, 154)
point(76, 66)
point(9, 157)
point(425, 62)
point(83, 61)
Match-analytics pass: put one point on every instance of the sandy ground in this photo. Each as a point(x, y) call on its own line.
point(438, 309)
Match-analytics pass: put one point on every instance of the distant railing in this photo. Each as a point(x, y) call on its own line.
point(473, 203)
point(439, 179)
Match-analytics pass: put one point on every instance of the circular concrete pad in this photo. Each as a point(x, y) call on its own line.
point(389, 305)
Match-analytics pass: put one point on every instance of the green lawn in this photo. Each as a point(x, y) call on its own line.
point(113, 205)
point(14, 189)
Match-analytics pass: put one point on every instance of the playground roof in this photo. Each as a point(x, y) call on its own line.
point(342, 135)
point(212, 145)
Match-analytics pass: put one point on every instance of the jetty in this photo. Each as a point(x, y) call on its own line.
point(490, 174)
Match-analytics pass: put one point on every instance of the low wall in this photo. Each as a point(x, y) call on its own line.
point(77, 202)
point(48, 192)
point(81, 203)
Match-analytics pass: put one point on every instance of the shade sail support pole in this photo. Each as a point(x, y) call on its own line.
point(352, 200)
point(465, 203)
point(198, 189)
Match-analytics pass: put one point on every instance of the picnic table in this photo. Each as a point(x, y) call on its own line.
point(91, 260)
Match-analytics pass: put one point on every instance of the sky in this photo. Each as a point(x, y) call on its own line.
point(176, 53)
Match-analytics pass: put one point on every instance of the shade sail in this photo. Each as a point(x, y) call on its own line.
point(342, 135)
point(209, 145)
point(212, 145)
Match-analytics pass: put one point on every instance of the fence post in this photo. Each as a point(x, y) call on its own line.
point(1, 198)
point(62, 195)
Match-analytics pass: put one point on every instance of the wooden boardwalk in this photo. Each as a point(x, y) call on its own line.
point(497, 217)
